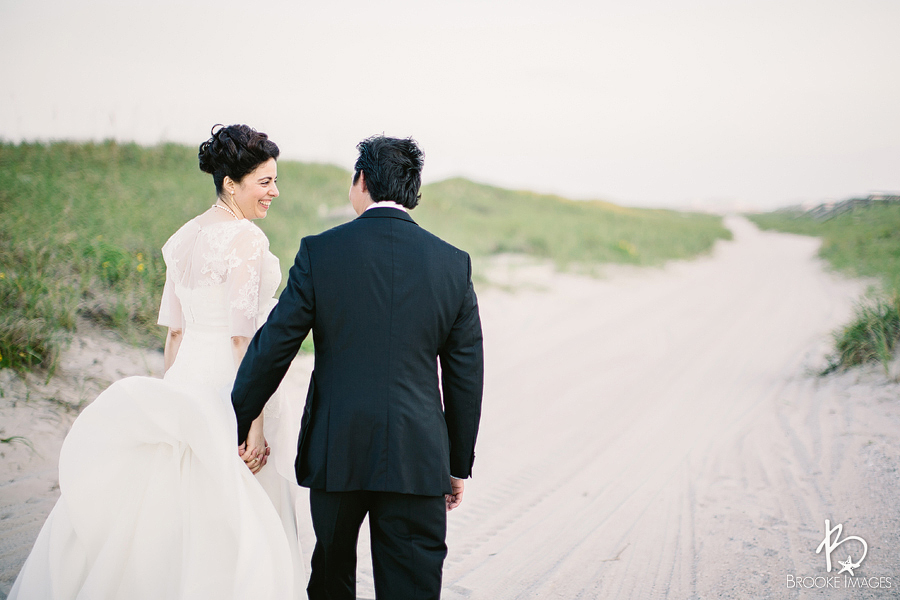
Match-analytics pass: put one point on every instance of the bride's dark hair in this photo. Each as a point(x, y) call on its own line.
point(234, 151)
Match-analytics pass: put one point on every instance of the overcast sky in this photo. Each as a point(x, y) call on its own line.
point(647, 102)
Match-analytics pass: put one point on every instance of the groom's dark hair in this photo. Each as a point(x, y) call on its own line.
point(393, 169)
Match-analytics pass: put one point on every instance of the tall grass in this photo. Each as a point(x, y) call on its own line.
point(872, 335)
point(81, 225)
point(862, 242)
point(79, 234)
point(487, 220)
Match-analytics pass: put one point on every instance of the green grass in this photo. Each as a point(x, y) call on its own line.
point(18, 439)
point(863, 242)
point(82, 225)
point(872, 335)
point(486, 220)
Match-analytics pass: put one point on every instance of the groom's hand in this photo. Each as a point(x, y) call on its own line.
point(455, 499)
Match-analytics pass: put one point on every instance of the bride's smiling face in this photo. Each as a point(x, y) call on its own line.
point(254, 193)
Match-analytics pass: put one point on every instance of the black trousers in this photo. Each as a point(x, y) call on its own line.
point(408, 549)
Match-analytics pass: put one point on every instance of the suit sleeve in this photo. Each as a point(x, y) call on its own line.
point(275, 344)
point(462, 382)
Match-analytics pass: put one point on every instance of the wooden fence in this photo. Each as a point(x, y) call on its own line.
point(829, 210)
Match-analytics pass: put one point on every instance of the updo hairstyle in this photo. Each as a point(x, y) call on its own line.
point(234, 151)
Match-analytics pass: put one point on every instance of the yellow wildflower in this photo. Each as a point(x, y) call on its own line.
point(140, 268)
point(628, 247)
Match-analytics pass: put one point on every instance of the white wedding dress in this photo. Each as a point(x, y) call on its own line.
point(155, 501)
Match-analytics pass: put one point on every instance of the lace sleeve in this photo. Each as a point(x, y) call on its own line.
point(170, 314)
point(243, 282)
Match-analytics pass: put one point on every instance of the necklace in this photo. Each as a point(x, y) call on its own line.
point(225, 208)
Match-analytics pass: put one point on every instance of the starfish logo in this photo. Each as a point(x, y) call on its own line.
point(828, 546)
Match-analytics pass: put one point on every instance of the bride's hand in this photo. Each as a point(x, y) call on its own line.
point(255, 460)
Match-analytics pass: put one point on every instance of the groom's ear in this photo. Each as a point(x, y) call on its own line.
point(362, 178)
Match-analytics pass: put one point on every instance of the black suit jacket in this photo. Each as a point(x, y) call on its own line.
point(387, 302)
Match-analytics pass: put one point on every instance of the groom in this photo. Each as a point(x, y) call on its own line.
point(394, 401)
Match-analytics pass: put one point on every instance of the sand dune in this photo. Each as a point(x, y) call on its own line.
point(650, 434)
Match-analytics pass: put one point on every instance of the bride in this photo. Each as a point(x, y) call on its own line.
point(157, 501)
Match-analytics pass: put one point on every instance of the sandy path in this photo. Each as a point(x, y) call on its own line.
point(654, 434)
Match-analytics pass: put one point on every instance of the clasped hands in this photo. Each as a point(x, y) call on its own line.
point(254, 451)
